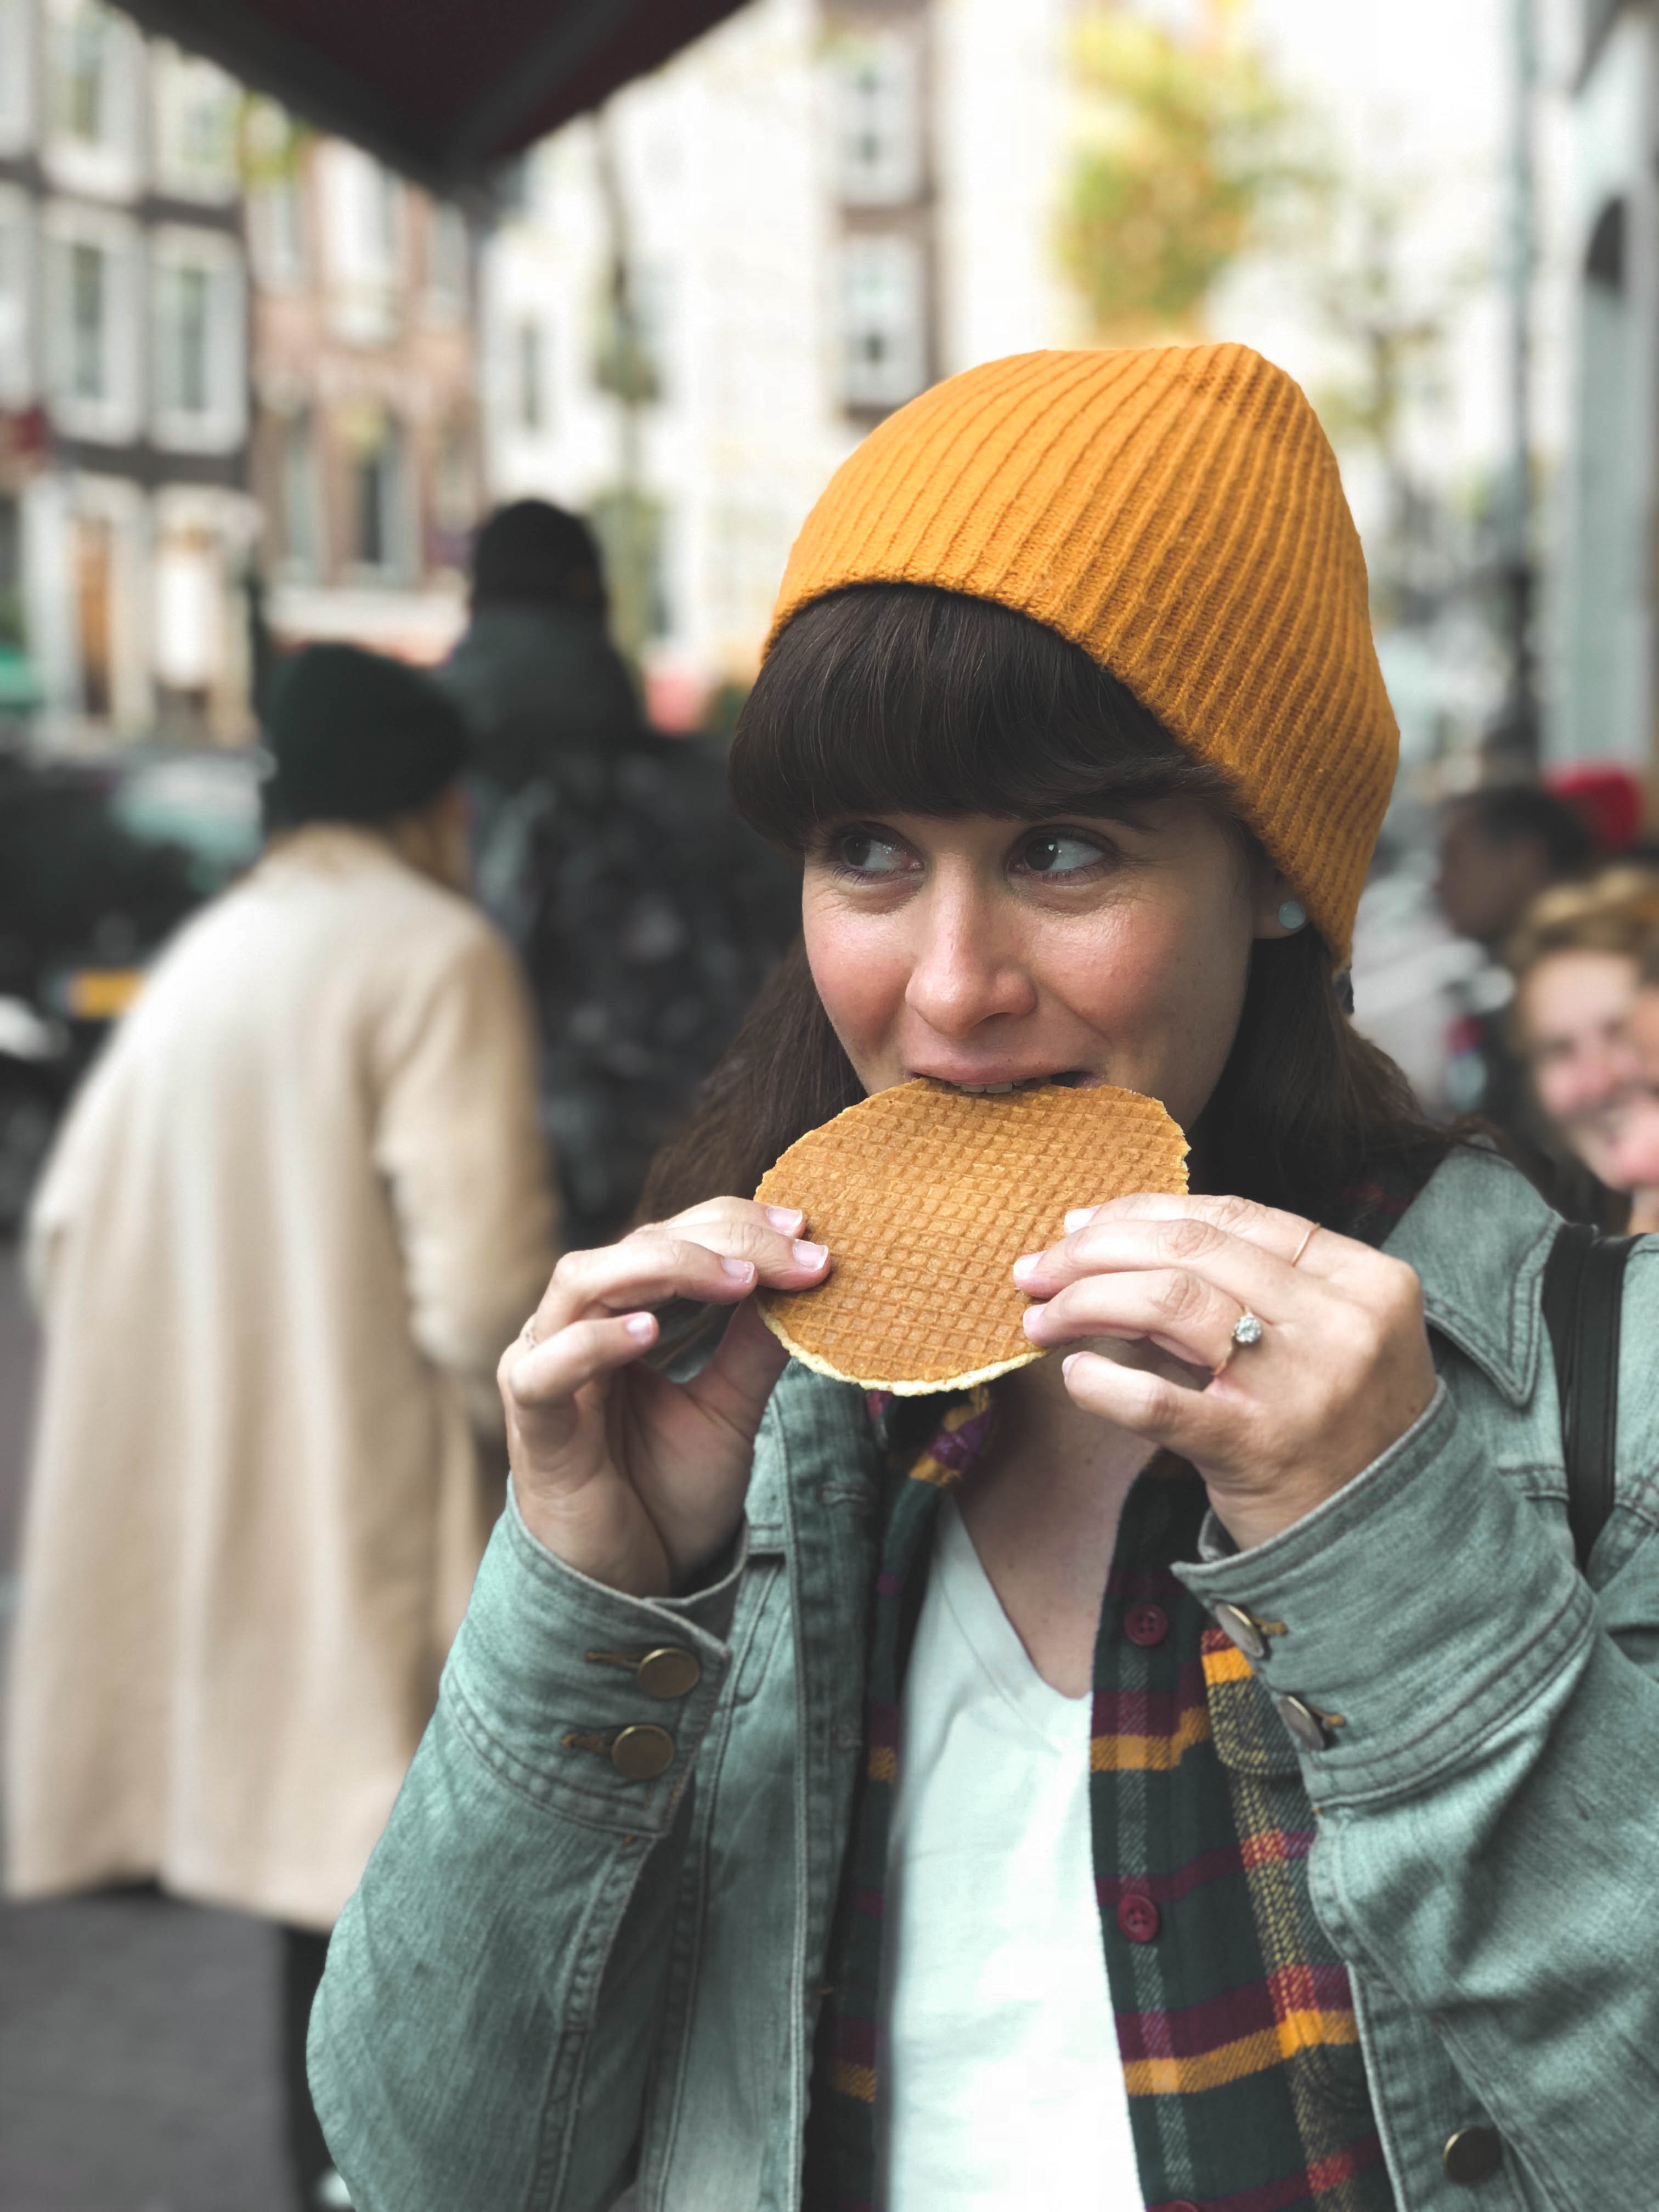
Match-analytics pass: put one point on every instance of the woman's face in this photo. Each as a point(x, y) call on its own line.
point(984, 951)
point(1573, 1012)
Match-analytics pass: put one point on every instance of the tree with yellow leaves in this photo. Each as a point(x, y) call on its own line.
point(1190, 153)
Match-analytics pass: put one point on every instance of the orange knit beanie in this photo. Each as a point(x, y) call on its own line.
point(1177, 513)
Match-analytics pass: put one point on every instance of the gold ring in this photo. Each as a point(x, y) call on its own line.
point(1313, 1231)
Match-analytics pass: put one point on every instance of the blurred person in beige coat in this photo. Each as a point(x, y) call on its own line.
point(297, 1211)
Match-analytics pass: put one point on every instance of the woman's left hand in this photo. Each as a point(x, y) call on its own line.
point(1341, 1370)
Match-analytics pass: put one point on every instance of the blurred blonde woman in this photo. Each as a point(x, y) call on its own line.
point(1576, 960)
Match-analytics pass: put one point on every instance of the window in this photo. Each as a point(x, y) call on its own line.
point(89, 363)
point(375, 492)
point(362, 226)
point(11, 575)
point(195, 112)
point(199, 342)
point(530, 373)
point(16, 344)
point(95, 76)
point(183, 379)
point(297, 491)
point(883, 322)
point(276, 196)
point(16, 76)
point(877, 111)
point(90, 321)
point(454, 495)
point(446, 261)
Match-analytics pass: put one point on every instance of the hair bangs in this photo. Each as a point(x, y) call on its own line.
point(885, 699)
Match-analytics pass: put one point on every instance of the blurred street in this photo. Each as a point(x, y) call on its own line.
point(137, 2059)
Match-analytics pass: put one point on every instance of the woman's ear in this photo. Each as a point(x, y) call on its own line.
point(1278, 911)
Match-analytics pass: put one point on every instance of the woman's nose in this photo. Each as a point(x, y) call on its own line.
point(965, 972)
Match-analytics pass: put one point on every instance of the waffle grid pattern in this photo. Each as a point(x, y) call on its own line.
point(926, 1197)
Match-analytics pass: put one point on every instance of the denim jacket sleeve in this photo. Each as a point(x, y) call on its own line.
point(1487, 1802)
point(521, 1886)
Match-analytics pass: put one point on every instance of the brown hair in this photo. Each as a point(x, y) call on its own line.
point(1615, 912)
point(884, 699)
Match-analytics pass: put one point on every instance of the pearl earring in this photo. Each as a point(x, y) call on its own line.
point(1292, 914)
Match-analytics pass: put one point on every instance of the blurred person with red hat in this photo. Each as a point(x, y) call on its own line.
point(295, 1211)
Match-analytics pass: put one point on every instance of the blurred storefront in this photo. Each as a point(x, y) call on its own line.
point(125, 524)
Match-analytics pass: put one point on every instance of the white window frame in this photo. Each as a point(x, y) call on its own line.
point(448, 256)
point(883, 295)
point(879, 140)
point(364, 270)
point(19, 77)
point(277, 193)
point(222, 424)
point(301, 563)
point(19, 294)
point(180, 82)
point(398, 517)
point(116, 417)
point(110, 167)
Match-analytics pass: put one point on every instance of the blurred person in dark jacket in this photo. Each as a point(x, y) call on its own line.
point(298, 1208)
point(646, 915)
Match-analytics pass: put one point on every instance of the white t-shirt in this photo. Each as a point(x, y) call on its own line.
point(1002, 2086)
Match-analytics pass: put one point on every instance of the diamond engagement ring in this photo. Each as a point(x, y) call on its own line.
point(1247, 1329)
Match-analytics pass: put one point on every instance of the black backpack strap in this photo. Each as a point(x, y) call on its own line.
point(1582, 1294)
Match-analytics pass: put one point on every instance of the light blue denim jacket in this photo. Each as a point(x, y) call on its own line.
point(552, 1977)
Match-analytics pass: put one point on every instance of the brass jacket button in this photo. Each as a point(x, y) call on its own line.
point(1473, 2154)
point(640, 1754)
point(668, 1672)
point(1309, 1727)
point(1243, 1630)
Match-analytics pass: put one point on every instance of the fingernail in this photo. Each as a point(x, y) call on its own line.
point(1030, 1316)
point(640, 1327)
point(1069, 1363)
point(1080, 1217)
point(741, 1268)
point(1028, 1265)
point(788, 1218)
point(811, 1255)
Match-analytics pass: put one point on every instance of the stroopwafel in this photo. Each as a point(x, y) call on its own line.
point(926, 1196)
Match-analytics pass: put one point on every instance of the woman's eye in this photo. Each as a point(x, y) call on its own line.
point(1058, 853)
point(864, 854)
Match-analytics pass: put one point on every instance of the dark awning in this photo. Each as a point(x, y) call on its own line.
point(443, 89)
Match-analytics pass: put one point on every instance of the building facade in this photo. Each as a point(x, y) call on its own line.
point(801, 223)
point(125, 524)
point(366, 428)
point(1604, 590)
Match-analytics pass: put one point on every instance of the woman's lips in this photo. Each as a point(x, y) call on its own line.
point(1073, 1078)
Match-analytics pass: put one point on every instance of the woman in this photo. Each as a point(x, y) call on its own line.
point(917, 1810)
point(1576, 960)
point(293, 1206)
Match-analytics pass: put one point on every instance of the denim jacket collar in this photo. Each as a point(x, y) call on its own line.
point(1476, 1226)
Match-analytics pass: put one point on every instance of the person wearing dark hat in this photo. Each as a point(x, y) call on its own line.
point(646, 915)
point(293, 1217)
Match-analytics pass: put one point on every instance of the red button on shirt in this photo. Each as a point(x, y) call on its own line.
point(1146, 1625)
point(1138, 1918)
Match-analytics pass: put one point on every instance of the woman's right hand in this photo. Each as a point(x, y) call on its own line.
point(632, 1479)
